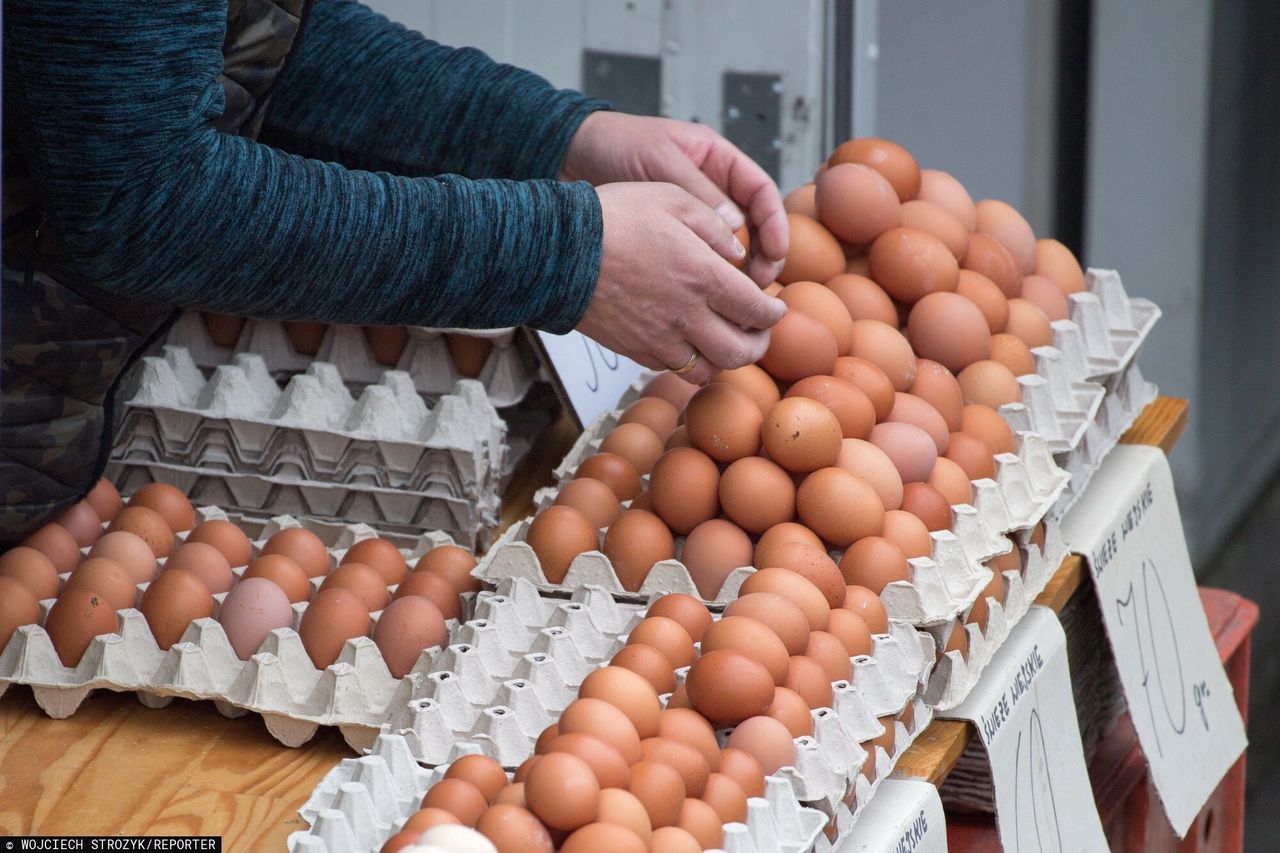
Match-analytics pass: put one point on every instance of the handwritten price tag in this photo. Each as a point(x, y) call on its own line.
point(1025, 715)
point(905, 816)
point(588, 377)
point(1129, 530)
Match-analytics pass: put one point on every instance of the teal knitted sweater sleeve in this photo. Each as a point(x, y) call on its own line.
point(111, 103)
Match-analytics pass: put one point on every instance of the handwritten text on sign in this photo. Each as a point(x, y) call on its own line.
point(589, 377)
point(1025, 715)
point(1128, 527)
point(905, 816)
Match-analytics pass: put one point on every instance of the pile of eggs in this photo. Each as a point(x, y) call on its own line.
point(107, 550)
point(468, 352)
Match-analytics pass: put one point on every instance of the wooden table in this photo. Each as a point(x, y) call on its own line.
point(119, 767)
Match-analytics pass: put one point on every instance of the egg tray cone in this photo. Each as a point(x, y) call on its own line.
point(510, 370)
point(363, 801)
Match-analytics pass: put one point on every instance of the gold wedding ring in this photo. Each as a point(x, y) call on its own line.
point(688, 365)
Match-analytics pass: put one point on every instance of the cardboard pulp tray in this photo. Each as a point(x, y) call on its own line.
point(1110, 326)
point(363, 801)
point(508, 373)
point(279, 682)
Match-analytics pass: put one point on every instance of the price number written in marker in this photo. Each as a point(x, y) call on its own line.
point(1035, 809)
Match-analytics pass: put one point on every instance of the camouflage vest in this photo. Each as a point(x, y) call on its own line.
point(65, 343)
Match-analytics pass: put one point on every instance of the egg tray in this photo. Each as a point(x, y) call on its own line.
point(240, 421)
point(1128, 393)
point(508, 373)
point(1054, 407)
point(955, 674)
point(280, 682)
point(363, 801)
point(1112, 326)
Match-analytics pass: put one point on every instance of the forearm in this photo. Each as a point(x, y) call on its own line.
point(370, 94)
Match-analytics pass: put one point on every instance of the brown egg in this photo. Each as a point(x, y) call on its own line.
point(807, 678)
point(75, 619)
point(684, 488)
point(33, 570)
point(380, 555)
point(304, 336)
point(281, 571)
point(779, 535)
point(604, 836)
point(454, 564)
point(815, 566)
point(172, 602)
point(727, 687)
point(727, 798)
point(989, 258)
point(457, 797)
point(205, 562)
point(908, 533)
point(82, 523)
point(435, 589)
point(172, 505)
point(544, 740)
point(931, 219)
point(1004, 223)
point(911, 264)
point(635, 443)
point(148, 525)
point(801, 434)
point(104, 499)
point(885, 347)
point(620, 807)
point(18, 607)
point(649, 663)
point(869, 763)
point(513, 829)
point(667, 636)
point(423, 819)
point(1057, 263)
point(972, 456)
point(839, 506)
point(936, 385)
point(226, 537)
point(989, 383)
point(852, 408)
point(766, 739)
point(869, 378)
point(744, 770)
point(107, 577)
point(927, 504)
point(886, 741)
point(522, 771)
point(702, 822)
point(829, 651)
point(406, 627)
point(629, 693)
point(874, 562)
point(751, 638)
point(856, 203)
point(606, 763)
point(802, 200)
point(387, 343)
point(981, 610)
point(871, 464)
point(56, 543)
point(512, 795)
point(557, 535)
point(659, 789)
point(950, 479)
point(814, 254)
point(985, 424)
point(852, 632)
point(957, 641)
point(1010, 561)
point(669, 387)
point(757, 494)
point(655, 413)
point(784, 619)
point(868, 605)
point(794, 588)
point(1013, 354)
point(303, 547)
point(908, 409)
point(673, 839)
point(799, 346)
point(912, 450)
point(1045, 294)
point(712, 550)
point(468, 353)
point(364, 581)
point(224, 329)
point(1029, 323)
point(723, 422)
point(633, 543)
point(335, 616)
point(599, 719)
point(946, 192)
point(888, 158)
point(614, 471)
point(752, 381)
point(129, 551)
point(691, 614)
point(789, 709)
point(809, 297)
point(684, 759)
point(988, 298)
point(949, 329)
point(692, 729)
point(253, 609)
point(863, 298)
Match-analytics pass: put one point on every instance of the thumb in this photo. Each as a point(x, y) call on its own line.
point(682, 172)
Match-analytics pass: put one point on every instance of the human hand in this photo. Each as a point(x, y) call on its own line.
point(611, 147)
point(667, 288)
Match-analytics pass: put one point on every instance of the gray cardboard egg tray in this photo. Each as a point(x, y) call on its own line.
point(955, 675)
point(1111, 326)
point(363, 801)
point(280, 682)
point(509, 372)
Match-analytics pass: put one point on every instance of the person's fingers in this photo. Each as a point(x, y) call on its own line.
point(707, 225)
point(684, 173)
point(762, 271)
point(723, 343)
point(750, 186)
point(737, 299)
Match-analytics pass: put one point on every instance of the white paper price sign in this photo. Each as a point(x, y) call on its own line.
point(588, 377)
point(1026, 717)
point(904, 816)
point(1127, 527)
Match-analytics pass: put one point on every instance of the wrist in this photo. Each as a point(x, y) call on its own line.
point(580, 158)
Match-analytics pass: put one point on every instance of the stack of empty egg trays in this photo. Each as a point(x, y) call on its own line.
point(363, 801)
point(385, 458)
point(279, 682)
point(510, 370)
